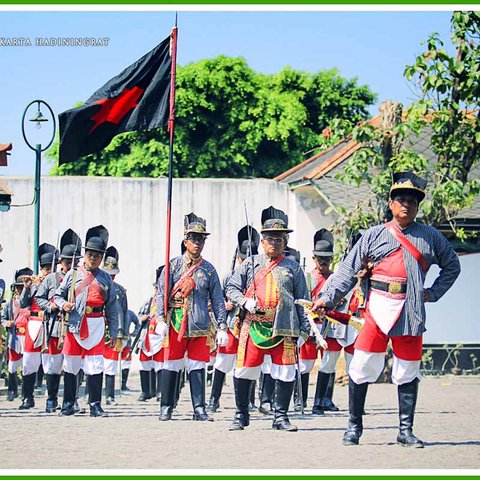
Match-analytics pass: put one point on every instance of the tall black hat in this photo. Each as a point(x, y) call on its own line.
point(194, 224)
point(293, 254)
point(274, 220)
point(245, 247)
point(21, 274)
point(323, 243)
point(110, 264)
point(70, 245)
point(158, 272)
point(96, 239)
point(408, 182)
point(47, 254)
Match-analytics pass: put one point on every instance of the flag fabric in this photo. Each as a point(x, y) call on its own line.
point(136, 99)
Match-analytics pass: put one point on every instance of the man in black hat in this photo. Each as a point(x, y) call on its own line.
point(265, 286)
point(15, 320)
point(151, 352)
point(87, 296)
point(248, 241)
point(52, 358)
point(401, 252)
point(112, 355)
point(127, 349)
point(192, 284)
point(36, 336)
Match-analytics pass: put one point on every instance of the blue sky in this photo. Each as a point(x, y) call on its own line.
point(374, 46)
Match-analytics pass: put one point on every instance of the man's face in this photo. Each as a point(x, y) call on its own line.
point(66, 264)
point(194, 243)
point(46, 269)
point(404, 207)
point(92, 259)
point(273, 244)
point(322, 264)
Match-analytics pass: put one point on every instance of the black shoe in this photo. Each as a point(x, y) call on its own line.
point(111, 401)
point(77, 409)
point(125, 388)
point(201, 415)
point(96, 410)
point(240, 421)
point(144, 397)
point(212, 406)
point(165, 413)
point(351, 437)
point(284, 424)
point(266, 409)
point(407, 439)
point(67, 409)
point(407, 401)
point(51, 406)
point(356, 403)
point(12, 396)
point(27, 403)
point(318, 410)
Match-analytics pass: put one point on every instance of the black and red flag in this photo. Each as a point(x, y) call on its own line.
point(136, 99)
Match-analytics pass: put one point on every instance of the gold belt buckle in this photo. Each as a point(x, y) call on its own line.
point(89, 310)
point(395, 287)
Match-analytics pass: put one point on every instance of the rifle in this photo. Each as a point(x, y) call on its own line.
point(299, 380)
point(332, 315)
point(71, 299)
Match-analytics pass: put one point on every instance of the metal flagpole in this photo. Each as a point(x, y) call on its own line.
point(171, 130)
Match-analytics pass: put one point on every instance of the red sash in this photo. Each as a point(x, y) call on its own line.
point(87, 281)
point(261, 274)
point(186, 282)
point(405, 243)
point(320, 282)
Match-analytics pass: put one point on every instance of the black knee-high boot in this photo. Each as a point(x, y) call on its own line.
point(283, 394)
point(216, 392)
point(53, 383)
point(110, 389)
point(169, 390)
point(251, 404)
point(69, 394)
point(356, 403)
point(407, 401)
point(305, 378)
point(242, 388)
point(94, 383)
point(125, 373)
point(268, 391)
point(327, 402)
point(153, 383)
point(158, 390)
point(27, 389)
point(197, 392)
point(145, 385)
point(12, 386)
point(320, 390)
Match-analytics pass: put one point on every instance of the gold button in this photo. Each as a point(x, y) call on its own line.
point(88, 310)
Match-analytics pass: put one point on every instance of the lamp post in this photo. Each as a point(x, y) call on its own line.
point(38, 119)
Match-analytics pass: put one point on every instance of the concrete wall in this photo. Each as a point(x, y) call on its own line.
point(134, 211)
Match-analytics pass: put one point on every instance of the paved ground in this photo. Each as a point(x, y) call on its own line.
point(448, 420)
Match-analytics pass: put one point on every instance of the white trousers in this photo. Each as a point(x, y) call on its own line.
point(366, 367)
point(306, 366)
point(91, 364)
point(225, 362)
point(189, 365)
point(52, 364)
point(13, 365)
point(31, 362)
point(285, 373)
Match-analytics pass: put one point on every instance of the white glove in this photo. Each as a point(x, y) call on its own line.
point(250, 305)
point(300, 341)
point(161, 329)
point(222, 338)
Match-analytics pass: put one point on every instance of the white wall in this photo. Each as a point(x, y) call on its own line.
point(134, 211)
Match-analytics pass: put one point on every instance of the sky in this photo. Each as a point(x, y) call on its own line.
point(374, 46)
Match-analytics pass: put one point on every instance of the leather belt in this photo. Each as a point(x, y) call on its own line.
point(89, 310)
point(390, 287)
point(34, 314)
point(176, 303)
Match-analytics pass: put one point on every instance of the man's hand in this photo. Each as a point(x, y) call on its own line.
point(112, 342)
point(68, 307)
point(53, 307)
point(221, 338)
point(144, 318)
point(27, 281)
point(161, 329)
point(319, 307)
point(228, 305)
point(250, 305)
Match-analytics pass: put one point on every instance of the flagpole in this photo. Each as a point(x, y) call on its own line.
point(171, 130)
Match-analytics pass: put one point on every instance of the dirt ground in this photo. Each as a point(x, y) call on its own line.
point(447, 419)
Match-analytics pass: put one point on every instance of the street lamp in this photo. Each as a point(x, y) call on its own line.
point(38, 119)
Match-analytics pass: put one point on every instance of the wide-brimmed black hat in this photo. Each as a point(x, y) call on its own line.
point(96, 239)
point(21, 274)
point(323, 243)
point(70, 245)
point(110, 264)
point(293, 254)
point(194, 224)
point(274, 220)
point(47, 254)
point(247, 247)
point(408, 182)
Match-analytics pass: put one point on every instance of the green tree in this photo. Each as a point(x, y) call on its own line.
point(234, 122)
point(448, 109)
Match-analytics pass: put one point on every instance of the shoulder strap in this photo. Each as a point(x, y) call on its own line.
point(405, 242)
point(89, 278)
